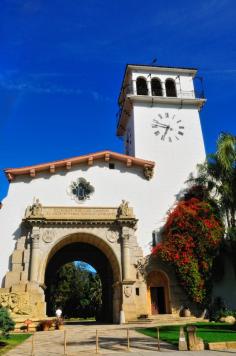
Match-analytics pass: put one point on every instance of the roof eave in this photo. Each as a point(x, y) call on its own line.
point(88, 159)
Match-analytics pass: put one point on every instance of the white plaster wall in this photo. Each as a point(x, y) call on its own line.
point(111, 186)
point(174, 161)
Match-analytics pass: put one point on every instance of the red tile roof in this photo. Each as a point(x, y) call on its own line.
point(67, 163)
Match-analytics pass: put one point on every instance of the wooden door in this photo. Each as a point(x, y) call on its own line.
point(161, 300)
point(158, 300)
point(154, 300)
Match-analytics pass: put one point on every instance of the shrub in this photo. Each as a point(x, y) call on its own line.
point(218, 309)
point(6, 322)
point(191, 239)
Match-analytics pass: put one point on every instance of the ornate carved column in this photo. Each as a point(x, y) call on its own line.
point(34, 262)
point(125, 254)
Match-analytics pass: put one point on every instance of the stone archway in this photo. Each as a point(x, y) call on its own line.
point(93, 250)
point(158, 293)
point(47, 230)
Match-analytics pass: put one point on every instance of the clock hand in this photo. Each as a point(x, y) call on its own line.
point(160, 124)
point(167, 128)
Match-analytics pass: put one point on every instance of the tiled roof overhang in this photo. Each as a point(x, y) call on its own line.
point(67, 163)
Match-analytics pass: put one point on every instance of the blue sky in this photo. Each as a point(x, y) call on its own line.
point(62, 62)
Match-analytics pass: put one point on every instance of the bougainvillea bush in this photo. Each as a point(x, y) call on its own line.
point(191, 239)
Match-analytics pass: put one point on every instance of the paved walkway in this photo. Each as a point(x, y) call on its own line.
point(81, 340)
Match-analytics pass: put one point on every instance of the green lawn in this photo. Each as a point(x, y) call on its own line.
point(209, 332)
point(11, 342)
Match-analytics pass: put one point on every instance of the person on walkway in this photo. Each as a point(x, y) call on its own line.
point(58, 313)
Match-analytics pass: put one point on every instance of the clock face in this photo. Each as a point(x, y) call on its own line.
point(168, 127)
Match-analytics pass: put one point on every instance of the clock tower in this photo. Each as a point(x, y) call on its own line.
point(159, 121)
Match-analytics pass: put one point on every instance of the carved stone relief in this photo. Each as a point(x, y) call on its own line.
point(111, 236)
point(148, 172)
point(141, 265)
point(127, 291)
point(123, 209)
point(16, 303)
point(48, 236)
point(34, 210)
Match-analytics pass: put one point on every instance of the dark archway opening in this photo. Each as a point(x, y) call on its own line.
point(170, 88)
point(142, 88)
point(156, 87)
point(79, 251)
point(158, 292)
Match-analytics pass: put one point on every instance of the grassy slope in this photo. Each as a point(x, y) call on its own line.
point(11, 342)
point(209, 332)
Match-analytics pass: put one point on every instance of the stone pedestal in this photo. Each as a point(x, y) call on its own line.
point(182, 340)
point(194, 342)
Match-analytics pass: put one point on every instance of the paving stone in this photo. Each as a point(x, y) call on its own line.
point(81, 340)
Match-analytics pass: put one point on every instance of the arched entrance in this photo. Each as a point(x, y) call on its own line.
point(104, 237)
point(94, 251)
point(158, 293)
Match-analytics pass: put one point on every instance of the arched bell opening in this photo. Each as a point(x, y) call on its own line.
point(141, 84)
point(170, 88)
point(158, 293)
point(94, 251)
point(156, 87)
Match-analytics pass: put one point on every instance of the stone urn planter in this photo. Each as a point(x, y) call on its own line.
point(230, 319)
point(59, 323)
point(46, 325)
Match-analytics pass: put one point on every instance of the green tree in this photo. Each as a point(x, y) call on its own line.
point(96, 290)
point(218, 175)
point(76, 290)
point(6, 322)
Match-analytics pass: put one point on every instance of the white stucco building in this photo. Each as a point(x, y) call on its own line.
point(159, 121)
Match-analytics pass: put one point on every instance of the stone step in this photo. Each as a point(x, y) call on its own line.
point(140, 321)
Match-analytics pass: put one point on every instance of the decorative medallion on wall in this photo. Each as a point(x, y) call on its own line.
point(127, 291)
point(111, 236)
point(48, 236)
point(81, 189)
